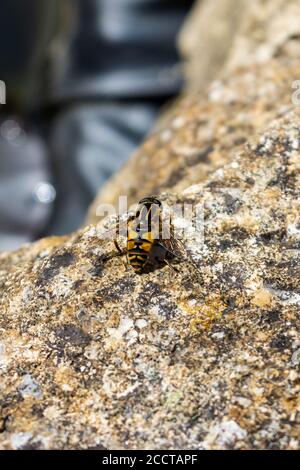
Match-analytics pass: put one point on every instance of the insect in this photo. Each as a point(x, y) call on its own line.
point(146, 248)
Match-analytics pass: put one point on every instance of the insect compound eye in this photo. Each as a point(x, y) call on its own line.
point(157, 201)
point(150, 200)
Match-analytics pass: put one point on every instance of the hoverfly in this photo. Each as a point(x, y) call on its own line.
point(146, 247)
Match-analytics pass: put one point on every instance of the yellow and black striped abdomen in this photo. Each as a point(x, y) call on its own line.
point(138, 248)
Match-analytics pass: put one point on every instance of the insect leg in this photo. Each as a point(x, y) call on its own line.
point(121, 253)
point(171, 266)
point(118, 247)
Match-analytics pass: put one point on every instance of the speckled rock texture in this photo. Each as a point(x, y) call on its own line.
point(234, 41)
point(205, 132)
point(269, 29)
point(95, 356)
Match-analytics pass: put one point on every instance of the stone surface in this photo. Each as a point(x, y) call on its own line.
point(206, 39)
point(94, 356)
point(204, 133)
point(221, 35)
point(269, 29)
point(217, 40)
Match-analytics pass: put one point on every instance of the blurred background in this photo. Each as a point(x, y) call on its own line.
point(85, 80)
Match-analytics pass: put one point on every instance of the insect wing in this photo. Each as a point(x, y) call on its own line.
point(176, 248)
